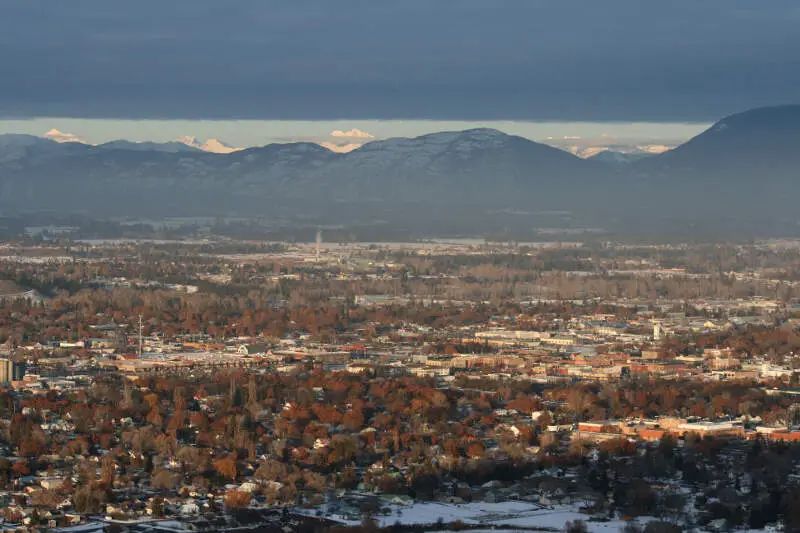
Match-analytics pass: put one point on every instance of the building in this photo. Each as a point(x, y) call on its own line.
point(600, 426)
point(18, 369)
point(599, 430)
point(252, 349)
point(658, 331)
point(777, 434)
point(651, 355)
point(6, 371)
point(711, 429)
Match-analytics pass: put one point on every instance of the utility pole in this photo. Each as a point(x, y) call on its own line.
point(140, 336)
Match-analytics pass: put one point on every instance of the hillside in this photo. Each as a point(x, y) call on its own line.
point(757, 144)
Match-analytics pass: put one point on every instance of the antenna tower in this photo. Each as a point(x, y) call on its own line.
point(140, 336)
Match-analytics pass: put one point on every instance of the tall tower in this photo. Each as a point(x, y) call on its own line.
point(319, 243)
point(140, 337)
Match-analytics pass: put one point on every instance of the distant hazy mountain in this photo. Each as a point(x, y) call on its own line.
point(209, 145)
point(18, 147)
point(744, 168)
point(147, 146)
point(588, 148)
point(613, 157)
point(452, 167)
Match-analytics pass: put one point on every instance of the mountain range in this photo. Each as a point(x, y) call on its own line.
point(181, 144)
point(741, 171)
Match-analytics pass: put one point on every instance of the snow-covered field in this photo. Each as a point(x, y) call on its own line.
point(520, 514)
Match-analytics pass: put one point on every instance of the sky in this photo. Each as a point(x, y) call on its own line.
point(255, 71)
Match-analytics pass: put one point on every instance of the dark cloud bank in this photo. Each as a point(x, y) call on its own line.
point(461, 59)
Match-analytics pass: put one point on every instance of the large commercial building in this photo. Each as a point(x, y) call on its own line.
point(6, 371)
point(11, 371)
point(18, 369)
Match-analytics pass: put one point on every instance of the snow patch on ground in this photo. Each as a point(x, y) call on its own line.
point(520, 514)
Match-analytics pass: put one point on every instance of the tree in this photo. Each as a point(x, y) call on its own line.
point(226, 467)
point(20, 468)
point(158, 506)
point(632, 527)
point(343, 448)
point(369, 524)
point(108, 470)
point(237, 499)
point(45, 498)
point(790, 508)
point(353, 419)
point(657, 526)
point(475, 450)
point(164, 479)
point(87, 500)
point(667, 444)
point(674, 505)
point(576, 526)
point(620, 446)
point(271, 470)
point(544, 420)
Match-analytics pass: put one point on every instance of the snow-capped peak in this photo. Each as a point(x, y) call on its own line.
point(209, 145)
point(218, 147)
point(341, 148)
point(62, 137)
point(188, 140)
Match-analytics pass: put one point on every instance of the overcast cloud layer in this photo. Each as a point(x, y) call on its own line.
point(677, 60)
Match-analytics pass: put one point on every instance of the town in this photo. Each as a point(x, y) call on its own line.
point(219, 384)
